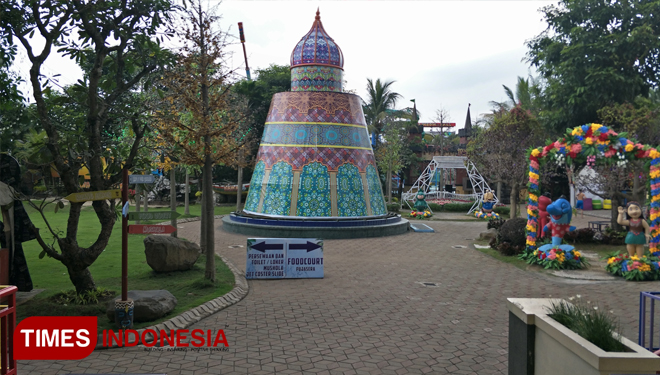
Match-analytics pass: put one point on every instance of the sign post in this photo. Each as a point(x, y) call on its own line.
point(124, 307)
point(284, 258)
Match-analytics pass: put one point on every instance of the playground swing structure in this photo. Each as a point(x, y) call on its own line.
point(445, 167)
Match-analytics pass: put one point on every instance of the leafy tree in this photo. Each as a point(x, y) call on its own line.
point(641, 119)
point(595, 53)
point(500, 150)
point(114, 40)
point(390, 156)
point(200, 114)
point(380, 99)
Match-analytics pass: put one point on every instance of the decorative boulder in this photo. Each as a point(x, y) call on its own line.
point(149, 305)
point(513, 232)
point(166, 254)
point(488, 235)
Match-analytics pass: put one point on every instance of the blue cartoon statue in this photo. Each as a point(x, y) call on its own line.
point(561, 213)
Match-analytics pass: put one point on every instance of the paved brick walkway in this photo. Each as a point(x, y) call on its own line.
point(370, 314)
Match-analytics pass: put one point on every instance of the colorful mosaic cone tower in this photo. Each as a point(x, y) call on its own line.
point(315, 158)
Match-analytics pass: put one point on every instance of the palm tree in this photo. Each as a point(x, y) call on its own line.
point(380, 99)
point(527, 90)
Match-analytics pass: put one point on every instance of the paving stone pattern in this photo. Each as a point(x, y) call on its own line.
point(370, 314)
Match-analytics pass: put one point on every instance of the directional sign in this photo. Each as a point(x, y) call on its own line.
point(304, 258)
point(94, 196)
point(308, 245)
point(265, 258)
point(162, 215)
point(151, 229)
point(277, 258)
point(263, 246)
point(141, 179)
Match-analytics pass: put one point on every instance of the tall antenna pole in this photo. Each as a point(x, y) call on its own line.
point(242, 36)
point(239, 183)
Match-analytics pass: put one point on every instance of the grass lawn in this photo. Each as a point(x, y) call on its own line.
point(189, 287)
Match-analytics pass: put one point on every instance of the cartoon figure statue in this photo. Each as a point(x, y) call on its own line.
point(561, 213)
point(488, 202)
point(420, 203)
point(544, 217)
point(639, 231)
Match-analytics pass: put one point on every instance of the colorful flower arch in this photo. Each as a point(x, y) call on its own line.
point(585, 143)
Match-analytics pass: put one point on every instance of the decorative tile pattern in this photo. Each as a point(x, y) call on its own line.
point(350, 192)
point(316, 106)
point(376, 198)
point(317, 47)
point(277, 200)
point(314, 191)
point(252, 200)
point(316, 78)
point(319, 135)
point(332, 158)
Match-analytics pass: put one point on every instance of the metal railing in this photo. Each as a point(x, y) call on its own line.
point(644, 305)
point(7, 325)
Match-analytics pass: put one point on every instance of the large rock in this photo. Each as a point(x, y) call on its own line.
point(149, 305)
point(488, 235)
point(166, 254)
point(513, 232)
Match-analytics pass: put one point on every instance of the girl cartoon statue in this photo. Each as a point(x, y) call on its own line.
point(639, 231)
point(420, 203)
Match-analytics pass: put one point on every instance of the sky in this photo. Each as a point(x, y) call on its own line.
point(443, 54)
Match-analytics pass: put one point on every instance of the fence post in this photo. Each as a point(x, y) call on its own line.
point(4, 266)
point(7, 325)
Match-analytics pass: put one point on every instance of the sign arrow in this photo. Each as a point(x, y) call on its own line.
point(155, 215)
point(141, 179)
point(151, 229)
point(309, 246)
point(263, 246)
point(93, 196)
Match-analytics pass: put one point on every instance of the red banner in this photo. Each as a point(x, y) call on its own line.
point(151, 229)
point(55, 337)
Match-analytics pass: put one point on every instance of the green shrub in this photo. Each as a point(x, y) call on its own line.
point(503, 210)
point(435, 207)
point(590, 322)
point(395, 199)
point(393, 207)
point(457, 207)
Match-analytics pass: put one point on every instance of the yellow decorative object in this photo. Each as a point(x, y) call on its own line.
point(629, 147)
point(654, 154)
point(536, 152)
point(589, 140)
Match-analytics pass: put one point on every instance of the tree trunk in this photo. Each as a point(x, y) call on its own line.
point(615, 213)
point(239, 187)
point(187, 192)
point(202, 234)
point(81, 278)
point(173, 199)
point(499, 190)
point(514, 201)
point(208, 214)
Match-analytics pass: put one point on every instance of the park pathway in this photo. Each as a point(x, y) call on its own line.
point(370, 314)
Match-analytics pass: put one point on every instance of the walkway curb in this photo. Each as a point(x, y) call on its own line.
point(194, 315)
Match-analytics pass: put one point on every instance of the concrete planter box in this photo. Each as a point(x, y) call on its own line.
point(540, 345)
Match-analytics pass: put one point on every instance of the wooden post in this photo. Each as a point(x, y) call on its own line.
point(124, 238)
point(137, 200)
point(187, 202)
point(4, 266)
point(173, 198)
